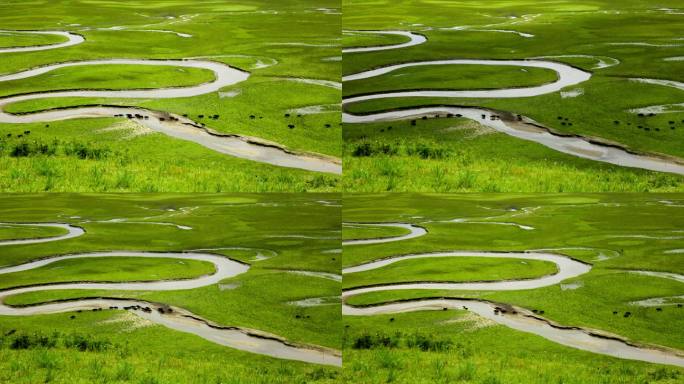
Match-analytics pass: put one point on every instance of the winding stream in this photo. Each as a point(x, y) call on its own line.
point(517, 126)
point(567, 76)
point(567, 269)
point(527, 129)
point(72, 232)
point(171, 317)
point(414, 39)
point(244, 147)
point(526, 321)
point(414, 231)
point(72, 39)
point(513, 317)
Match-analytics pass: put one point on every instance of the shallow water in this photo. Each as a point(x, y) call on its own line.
point(567, 76)
point(576, 146)
point(658, 109)
point(567, 268)
point(526, 322)
point(524, 129)
point(185, 129)
point(415, 231)
point(663, 275)
point(467, 28)
point(72, 232)
point(72, 39)
point(179, 319)
point(515, 318)
point(659, 301)
point(321, 275)
point(504, 223)
point(414, 39)
point(319, 82)
point(602, 61)
point(316, 301)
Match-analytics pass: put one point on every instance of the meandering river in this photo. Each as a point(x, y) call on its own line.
point(72, 232)
point(513, 317)
point(514, 125)
point(176, 318)
point(245, 147)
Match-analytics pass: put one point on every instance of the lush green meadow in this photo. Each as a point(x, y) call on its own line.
point(459, 155)
point(618, 234)
point(109, 76)
point(247, 36)
point(266, 231)
point(9, 232)
point(360, 39)
point(9, 39)
point(83, 352)
point(354, 232)
point(632, 39)
point(461, 269)
point(451, 77)
point(453, 347)
point(104, 269)
point(117, 156)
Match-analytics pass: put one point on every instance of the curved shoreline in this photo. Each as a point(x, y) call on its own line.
point(523, 128)
point(510, 316)
point(230, 144)
point(414, 39)
point(567, 268)
point(523, 320)
point(178, 319)
point(527, 129)
point(171, 317)
point(599, 65)
point(72, 232)
point(414, 231)
point(567, 76)
point(173, 125)
point(72, 39)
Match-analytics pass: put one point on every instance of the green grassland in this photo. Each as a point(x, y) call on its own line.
point(453, 347)
point(108, 77)
point(206, 105)
point(451, 77)
point(460, 269)
point(367, 39)
point(115, 156)
point(8, 39)
point(459, 155)
point(247, 36)
point(559, 28)
point(9, 232)
point(144, 353)
point(83, 351)
point(106, 269)
point(589, 227)
point(352, 232)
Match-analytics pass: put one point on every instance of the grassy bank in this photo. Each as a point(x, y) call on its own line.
point(588, 227)
point(119, 348)
point(354, 232)
point(251, 40)
point(450, 269)
point(447, 347)
point(615, 43)
point(264, 231)
point(459, 155)
point(118, 156)
point(10, 232)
